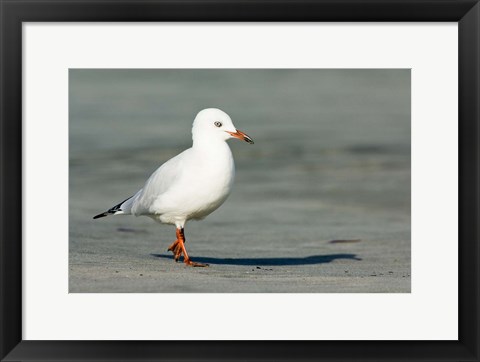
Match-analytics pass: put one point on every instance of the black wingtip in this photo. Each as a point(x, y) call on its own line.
point(103, 214)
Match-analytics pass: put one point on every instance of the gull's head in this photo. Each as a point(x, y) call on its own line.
point(214, 124)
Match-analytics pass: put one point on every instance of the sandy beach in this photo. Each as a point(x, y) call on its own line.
point(321, 201)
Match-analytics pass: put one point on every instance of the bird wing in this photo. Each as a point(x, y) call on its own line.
point(157, 184)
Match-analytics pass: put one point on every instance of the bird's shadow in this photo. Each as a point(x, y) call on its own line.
point(308, 260)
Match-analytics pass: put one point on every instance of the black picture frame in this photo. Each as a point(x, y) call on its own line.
point(14, 12)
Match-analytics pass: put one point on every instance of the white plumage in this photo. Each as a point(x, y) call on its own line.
point(192, 184)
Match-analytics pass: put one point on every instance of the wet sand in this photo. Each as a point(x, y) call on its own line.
point(321, 201)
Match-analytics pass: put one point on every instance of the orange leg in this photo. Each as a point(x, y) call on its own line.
point(178, 248)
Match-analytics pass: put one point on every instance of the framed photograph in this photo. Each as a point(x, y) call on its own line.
point(239, 180)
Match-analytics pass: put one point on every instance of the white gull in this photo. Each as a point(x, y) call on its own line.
point(192, 184)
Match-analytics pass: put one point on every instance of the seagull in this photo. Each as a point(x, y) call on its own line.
point(192, 184)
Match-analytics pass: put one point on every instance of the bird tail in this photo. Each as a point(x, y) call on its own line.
point(116, 210)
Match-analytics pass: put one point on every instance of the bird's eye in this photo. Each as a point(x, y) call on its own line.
point(218, 124)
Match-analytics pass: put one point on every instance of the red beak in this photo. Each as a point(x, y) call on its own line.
point(241, 136)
